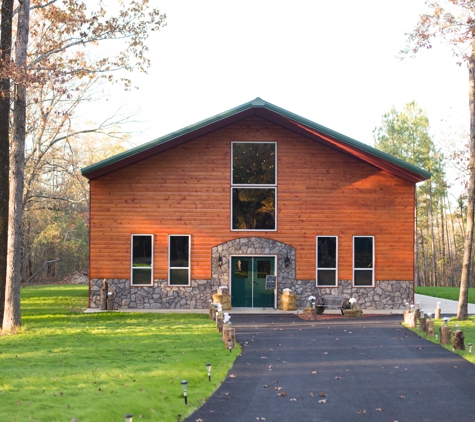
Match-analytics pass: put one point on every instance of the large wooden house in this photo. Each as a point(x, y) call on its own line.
point(251, 192)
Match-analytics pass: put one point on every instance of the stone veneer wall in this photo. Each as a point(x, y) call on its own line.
point(385, 295)
point(158, 296)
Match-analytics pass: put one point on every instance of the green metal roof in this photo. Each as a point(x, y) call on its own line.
point(265, 110)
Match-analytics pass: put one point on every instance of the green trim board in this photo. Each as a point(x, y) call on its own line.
point(269, 112)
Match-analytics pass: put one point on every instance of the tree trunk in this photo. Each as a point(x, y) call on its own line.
point(6, 47)
point(432, 236)
point(12, 314)
point(462, 312)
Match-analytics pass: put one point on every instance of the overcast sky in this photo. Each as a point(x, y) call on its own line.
point(333, 62)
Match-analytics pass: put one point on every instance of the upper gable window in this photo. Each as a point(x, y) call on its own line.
point(254, 186)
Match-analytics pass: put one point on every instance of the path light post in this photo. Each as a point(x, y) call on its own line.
point(469, 348)
point(230, 344)
point(128, 417)
point(446, 320)
point(208, 367)
point(184, 384)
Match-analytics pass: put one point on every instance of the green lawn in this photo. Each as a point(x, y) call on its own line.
point(66, 365)
point(468, 327)
point(451, 293)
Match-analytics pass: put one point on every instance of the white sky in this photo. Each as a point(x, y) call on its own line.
point(332, 62)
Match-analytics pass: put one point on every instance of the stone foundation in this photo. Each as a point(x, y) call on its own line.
point(158, 296)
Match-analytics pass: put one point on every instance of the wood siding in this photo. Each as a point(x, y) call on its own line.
point(187, 190)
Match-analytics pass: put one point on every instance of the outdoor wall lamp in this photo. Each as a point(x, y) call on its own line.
point(208, 367)
point(230, 344)
point(128, 417)
point(184, 384)
point(287, 262)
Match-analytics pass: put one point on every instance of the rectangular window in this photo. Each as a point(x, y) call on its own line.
point(363, 260)
point(142, 260)
point(179, 260)
point(253, 186)
point(327, 260)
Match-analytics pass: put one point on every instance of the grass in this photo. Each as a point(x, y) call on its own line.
point(468, 326)
point(451, 293)
point(66, 365)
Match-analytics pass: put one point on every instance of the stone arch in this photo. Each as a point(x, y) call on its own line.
point(253, 245)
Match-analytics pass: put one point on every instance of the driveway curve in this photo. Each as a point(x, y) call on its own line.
point(339, 369)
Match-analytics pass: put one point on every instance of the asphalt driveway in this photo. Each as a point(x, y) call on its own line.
point(340, 369)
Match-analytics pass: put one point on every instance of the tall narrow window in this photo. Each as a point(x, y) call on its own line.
point(253, 186)
point(327, 260)
point(179, 260)
point(363, 260)
point(142, 260)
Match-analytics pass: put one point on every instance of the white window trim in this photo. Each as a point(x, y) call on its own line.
point(353, 259)
point(132, 259)
point(317, 267)
point(180, 268)
point(253, 186)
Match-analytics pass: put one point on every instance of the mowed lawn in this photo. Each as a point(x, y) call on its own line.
point(69, 366)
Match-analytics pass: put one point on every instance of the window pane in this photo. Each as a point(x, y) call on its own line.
point(263, 268)
point(253, 163)
point(326, 252)
point(363, 277)
point(141, 276)
point(241, 269)
point(179, 276)
point(253, 209)
point(141, 251)
point(326, 278)
point(363, 252)
point(179, 248)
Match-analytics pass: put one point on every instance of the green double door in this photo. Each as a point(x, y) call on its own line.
point(248, 282)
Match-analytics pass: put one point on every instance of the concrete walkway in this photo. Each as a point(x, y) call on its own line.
point(340, 369)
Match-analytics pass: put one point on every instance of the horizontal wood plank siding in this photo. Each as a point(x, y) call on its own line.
point(186, 190)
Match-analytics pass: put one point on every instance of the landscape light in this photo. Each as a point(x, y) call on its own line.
point(184, 384)
point(230, 344)
point(407, 306)
point(128, 417)
point(446, 320)
point(469, 348)
point(429, 315)
point(422, 313)
point(208, 367)
point(457, 327)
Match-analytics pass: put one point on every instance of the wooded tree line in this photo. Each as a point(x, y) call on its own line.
point(50, 70)
point(441, 216)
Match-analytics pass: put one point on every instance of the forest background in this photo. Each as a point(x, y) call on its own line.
point(63, 135)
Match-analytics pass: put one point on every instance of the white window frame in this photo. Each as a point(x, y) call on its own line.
point(318, 268)
point(363, 269)
point(254, 186)
point(179, 268)
point(132, 284)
